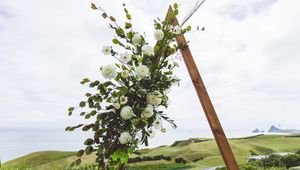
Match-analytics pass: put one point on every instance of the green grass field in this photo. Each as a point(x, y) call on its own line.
point(199, 153)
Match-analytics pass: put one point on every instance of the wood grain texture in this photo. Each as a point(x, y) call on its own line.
point(204, 98)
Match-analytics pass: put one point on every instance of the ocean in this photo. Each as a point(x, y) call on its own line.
point(18, 142)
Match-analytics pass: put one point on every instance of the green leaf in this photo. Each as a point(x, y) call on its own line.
point(112, 18)
point(89, 150)
point(189, 28)
point(115, 41)
point(93, 6)
point(82, 104)
point(85, 80)
point(89, 141)
point(67, 128)
point(87, 116)
point(88, 94)
point(104, 15)
point(78, 162)
point(80, 153)
point(93, 113)
point(71, 109)
point(175, 5)
point(128, 16)
point(128, 25)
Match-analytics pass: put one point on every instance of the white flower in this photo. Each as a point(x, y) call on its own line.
point(148, 111)
point(124, 138)
point(170, 27)
point(148, 50)
point(142, 71)
point(157, 124)
point(123, 100)
point(113, 100)
point(109, 71)
point(151, 133)
point(159, 35)
point(126, 112)
point(117, 105)
point(106, 50)
point(125, 57)
point(177, 30)
point(125, 74)
point(154, 98)
point(136, 39)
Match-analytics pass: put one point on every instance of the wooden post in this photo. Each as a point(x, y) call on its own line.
point(205, 101)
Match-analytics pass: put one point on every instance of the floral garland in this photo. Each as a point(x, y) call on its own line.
point(128, 106)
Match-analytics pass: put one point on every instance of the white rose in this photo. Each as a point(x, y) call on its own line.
point(125, 57)
point(151, 133)
point(136, 39)
point(117, 105)
point(159, 35)
point(154, 98)
point(148, 111)
point(106, 50)
point(125, 74)
point(109, 71)
point(142, 71)
point(124, 138)
point(148, 50)
point(157, 124)
point(126, 112)
point(123, 100)
point(177, 30)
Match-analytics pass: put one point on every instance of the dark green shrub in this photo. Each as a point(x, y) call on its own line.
point(291, 160)
point(180, 160)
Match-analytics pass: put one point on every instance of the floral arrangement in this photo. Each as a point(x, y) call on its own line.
point(128, 107)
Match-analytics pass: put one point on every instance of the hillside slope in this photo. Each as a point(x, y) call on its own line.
point(198, 153)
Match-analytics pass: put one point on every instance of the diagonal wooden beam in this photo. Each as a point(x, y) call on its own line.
point(203, 96)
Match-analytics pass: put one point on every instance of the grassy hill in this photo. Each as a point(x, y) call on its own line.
point(199, 153)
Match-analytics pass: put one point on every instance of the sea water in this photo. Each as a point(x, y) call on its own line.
point(18, 142)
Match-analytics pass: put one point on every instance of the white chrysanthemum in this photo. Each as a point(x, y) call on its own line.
point(125, 57)
point(148, 50)
point(106, 50)
point(125, 74)
point(157, 124)
point(177, 30)
point(123, 100)
point(116, 105)
point(159, 35)
point(142, 71)
point(154, 98)
point(126, 112)
point(124, 138)
point(109, 71)
point(148, 111)
point(151, 133)
point(136, 39)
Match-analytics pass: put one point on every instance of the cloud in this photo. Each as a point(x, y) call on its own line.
point(247, 57)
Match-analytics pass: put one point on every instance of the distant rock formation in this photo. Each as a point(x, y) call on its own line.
point(255, 131)
point(274, 129)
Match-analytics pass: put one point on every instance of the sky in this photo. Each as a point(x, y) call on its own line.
point(248, 57)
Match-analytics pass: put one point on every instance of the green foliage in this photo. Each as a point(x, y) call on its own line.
point(275, 160)
point(130, 102)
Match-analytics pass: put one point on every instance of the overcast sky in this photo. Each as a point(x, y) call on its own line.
point(248, 57)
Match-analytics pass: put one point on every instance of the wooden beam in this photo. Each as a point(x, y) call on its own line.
point(205, 101)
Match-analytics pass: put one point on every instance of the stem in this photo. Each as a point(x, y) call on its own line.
point(122, 167)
